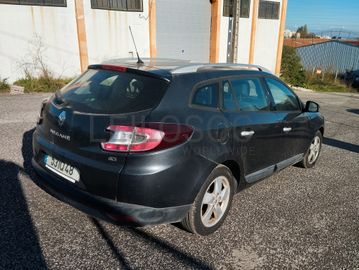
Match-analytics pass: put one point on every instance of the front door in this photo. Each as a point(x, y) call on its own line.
point(294, 123)
point(256, 129)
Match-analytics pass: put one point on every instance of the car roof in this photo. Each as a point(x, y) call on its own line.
point(168, 68)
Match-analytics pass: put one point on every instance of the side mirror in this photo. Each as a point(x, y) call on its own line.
point(311, 106)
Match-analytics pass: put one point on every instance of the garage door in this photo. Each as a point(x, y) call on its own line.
point(183, 29)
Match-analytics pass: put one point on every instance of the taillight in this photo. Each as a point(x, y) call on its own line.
point(147, 137)
point(41, 114)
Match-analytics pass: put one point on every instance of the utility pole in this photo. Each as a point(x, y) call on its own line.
point(232, 46)
point(236, 14)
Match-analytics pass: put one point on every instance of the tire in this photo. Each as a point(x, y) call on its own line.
point(209, 209)
point(308, 161)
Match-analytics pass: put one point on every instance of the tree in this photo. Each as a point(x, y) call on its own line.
point(292, 70)
point(304, 32)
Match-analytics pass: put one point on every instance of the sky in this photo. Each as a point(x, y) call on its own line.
point(323, 15)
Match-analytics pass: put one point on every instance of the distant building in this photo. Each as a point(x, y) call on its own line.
point(288, 33)
point(325, 37)
point(76, 33)
point(331, 56)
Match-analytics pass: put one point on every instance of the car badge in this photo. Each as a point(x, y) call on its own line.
point(61, 118)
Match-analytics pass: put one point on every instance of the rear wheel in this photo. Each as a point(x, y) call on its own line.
point(313, 152)
point(212, 203)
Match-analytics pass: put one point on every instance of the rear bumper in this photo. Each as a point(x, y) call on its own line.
point(106, 209)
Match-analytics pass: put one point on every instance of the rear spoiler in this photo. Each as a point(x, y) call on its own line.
point(128, 70)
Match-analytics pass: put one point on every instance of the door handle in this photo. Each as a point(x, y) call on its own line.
point(287, 129)
point(247, 133)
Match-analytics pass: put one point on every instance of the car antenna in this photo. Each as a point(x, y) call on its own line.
point(139, 61)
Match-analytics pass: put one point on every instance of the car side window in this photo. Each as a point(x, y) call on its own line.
point(229, 99)
point(206, 96)
point(283, 97)
point(250, 94)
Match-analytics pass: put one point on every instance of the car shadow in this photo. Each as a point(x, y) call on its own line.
point(166, 247)
point(115, 251)
point(155, 242)
point(356, 111)
point(342, 145)
point(19, 242)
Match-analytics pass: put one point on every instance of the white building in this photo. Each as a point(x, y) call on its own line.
point(289, 33)
point(75, 33)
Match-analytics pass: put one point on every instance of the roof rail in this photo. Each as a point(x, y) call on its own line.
point(224, 66)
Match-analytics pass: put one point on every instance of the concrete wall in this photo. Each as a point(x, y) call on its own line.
point(223, 38)
point(244, 37)
point(21, 28)
point(266, 40)
point(108, 36)
point(266, 44)
point(183, 29)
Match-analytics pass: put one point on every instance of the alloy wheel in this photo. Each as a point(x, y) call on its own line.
point(215, 201)
point(314, 150)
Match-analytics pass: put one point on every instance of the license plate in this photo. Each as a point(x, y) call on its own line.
point(66, 171)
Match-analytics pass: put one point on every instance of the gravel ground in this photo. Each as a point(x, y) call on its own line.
point(300, 219)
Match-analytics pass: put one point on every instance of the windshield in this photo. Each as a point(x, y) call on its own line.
point(112, 92)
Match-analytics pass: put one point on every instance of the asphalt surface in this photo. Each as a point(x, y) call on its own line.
point(298, 219)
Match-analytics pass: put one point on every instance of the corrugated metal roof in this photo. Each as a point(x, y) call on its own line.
point(300, 42)
point(352, 42)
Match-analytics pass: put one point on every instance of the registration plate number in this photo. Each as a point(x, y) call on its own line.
point(62, 169)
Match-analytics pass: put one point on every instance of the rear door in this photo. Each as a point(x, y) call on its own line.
point(256, 129)
point(205, 114)
point(294, 123)
point(75, 122)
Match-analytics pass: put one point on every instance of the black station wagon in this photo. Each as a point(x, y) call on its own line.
point(169, 141)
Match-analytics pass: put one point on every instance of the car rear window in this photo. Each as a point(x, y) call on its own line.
point(113, 92)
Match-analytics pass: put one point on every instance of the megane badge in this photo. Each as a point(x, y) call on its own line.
point(62, 118)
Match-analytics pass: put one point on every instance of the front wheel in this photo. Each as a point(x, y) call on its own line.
point(212, 203)
point(313, 152)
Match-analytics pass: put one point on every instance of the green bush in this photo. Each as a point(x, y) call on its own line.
point(293, 73)
point(4, 86)
point(292, 70)
point(42, 84)
point(326, 83)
